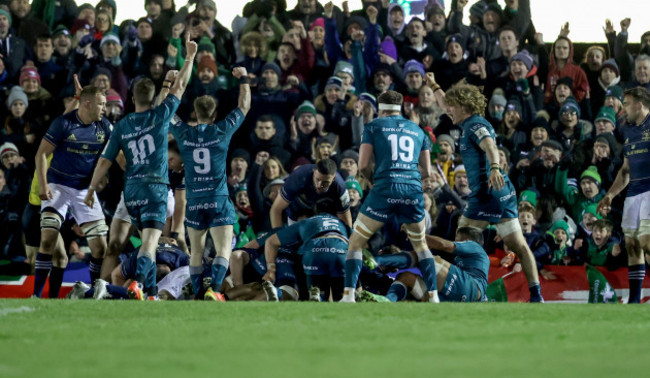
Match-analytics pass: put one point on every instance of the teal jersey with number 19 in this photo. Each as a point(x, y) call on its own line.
point(142, 137)
point(204, 149)
point(397, 143)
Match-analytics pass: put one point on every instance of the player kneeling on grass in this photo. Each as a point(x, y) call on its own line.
point(462, 280)
point(323, 241)
point(170, 258)
point(204, 148)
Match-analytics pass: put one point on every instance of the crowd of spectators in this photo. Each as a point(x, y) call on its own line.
point(316, 71)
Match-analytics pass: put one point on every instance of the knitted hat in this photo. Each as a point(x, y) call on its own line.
point(345, 67)
point(560, 224)
point(497, 99)
point(274, 67)
point(29, 72)
point(305, 107)
point(460, 169)
point(207, 62)
point(372, 100)
point(494, 7)
point(6, 14)
point(382, 67)
point(78, 25)
point(241, 153)
point(334, 81)
point(84, 6)
point(478, 9)
point(388, 47)
point(148, 20)
point(610, 140)
point(355, 20)
point(528, 196)
point(320, 21)
point(607, 114)
point(447, 138)
point(329, 138)
point(113, 96)
point(615, 91)
point(540, 122)
point(6, 148)
point(103, 71)
point(61, 30)
point(270, 185)
point(205, 44)
point(554, 144)
point(350, 154)
point(413, 66)
point(178, 18)
point(566, 80)
point(241, 187)
point(458, 38)
point(524, 57)
point(208, 4)
point(514, 104)
point(591, 173)
point(570, 104)
point(110, 37)
point(17, 93)
point(352, 183)
point(592, 209)
point(611, 63)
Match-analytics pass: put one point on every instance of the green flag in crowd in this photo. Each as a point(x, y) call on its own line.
point(496, 291)
point(600, 291)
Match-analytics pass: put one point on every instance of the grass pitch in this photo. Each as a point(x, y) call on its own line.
point(57, 338)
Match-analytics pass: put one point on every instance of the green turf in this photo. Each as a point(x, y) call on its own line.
point(156, 339)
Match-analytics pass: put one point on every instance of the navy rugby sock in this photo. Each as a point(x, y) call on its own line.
point(56, 279)
point(95, 267)
point(635, 275)
point(41, 271)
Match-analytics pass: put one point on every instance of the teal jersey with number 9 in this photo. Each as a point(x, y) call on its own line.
point(142, 137)
point(397, 144)
point(204, 149)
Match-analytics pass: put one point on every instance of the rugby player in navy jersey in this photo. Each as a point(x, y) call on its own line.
point(493, 199)
point(142, 138)
point(310, 186)
point(75, 141)
point(204, 148)
point(401, 154)
point(635, 173)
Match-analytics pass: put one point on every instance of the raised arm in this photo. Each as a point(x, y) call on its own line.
point(276, 211)
point(244, 101)
point(184, 75)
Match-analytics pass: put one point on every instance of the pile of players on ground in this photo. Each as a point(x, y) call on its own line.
point(315, 74)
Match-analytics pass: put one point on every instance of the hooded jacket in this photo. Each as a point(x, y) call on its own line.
point(570, 69)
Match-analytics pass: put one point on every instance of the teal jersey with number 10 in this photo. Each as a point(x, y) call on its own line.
point(204, 149)
point(397, 144)
point(142, 137)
